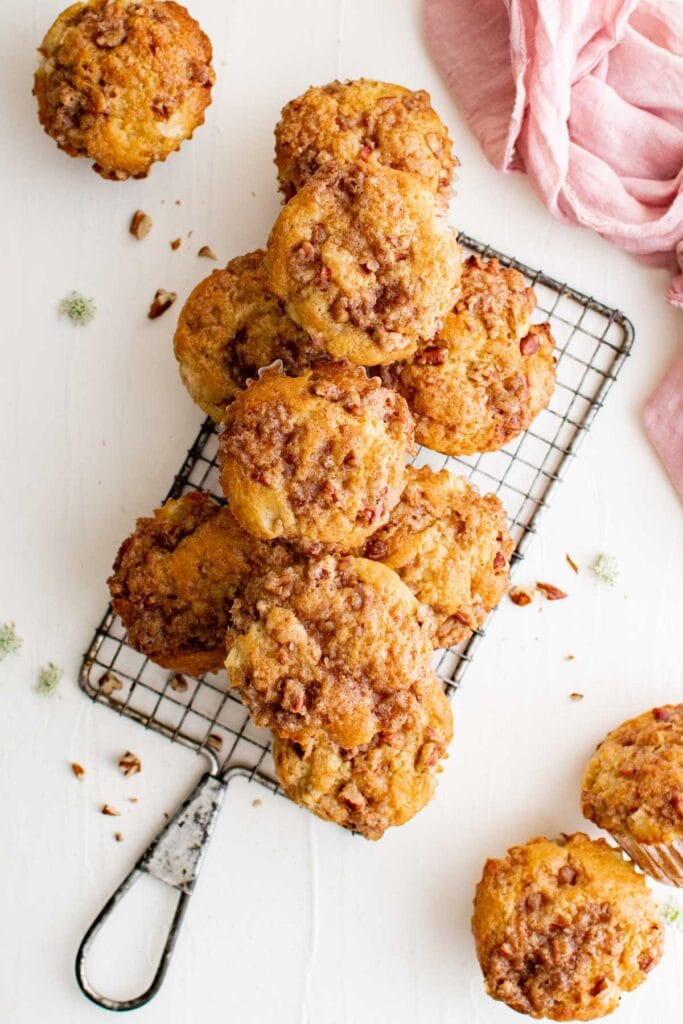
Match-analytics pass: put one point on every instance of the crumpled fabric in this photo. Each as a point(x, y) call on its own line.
point(663, 418)
point(586, 96)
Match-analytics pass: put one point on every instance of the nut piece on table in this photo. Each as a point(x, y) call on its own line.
point(140, 225)
point(160, 303)
point(130, 763)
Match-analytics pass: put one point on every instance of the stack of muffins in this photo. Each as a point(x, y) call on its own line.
point(335, 569)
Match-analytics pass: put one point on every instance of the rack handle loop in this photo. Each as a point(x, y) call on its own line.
point(175, 858)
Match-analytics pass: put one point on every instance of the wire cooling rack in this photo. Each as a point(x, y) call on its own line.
point(592, 342)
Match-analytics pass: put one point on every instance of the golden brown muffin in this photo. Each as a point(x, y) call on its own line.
point(633, 787)
point(316, 459)
point(374, 121)
point(365, 262)
point(563, 928)
point(451, 546)
point(175, 578)
point(487, 373)
point(123, 82)
point(370, 788)
point(230, 327)
point(333, 645)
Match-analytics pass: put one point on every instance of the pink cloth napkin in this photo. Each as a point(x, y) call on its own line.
point(586, 96)
point(664, 422)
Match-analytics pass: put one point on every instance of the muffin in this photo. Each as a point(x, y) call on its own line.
point(370, 788)
point(230, 327)
point(316, 459)
point(633, 788)
point(363, 120)
point(365, 262)
point(123, 82)
point(332, 645)
point(488, 372)
point(175, 578)
point(451, 546)
point(563, 927)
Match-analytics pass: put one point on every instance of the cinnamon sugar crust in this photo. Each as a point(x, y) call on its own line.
point(487, 373)
point(365, 262)
point(337, 645)
point(315, 459)
point(370, 788)
point(374, 121)
point(452, 548)
point(230, 327)
point(176, 576)
point(123, 82)
point(563, 928)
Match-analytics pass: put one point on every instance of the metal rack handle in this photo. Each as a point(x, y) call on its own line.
point(175, 858)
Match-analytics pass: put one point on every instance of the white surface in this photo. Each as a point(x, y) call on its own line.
point(293, 920)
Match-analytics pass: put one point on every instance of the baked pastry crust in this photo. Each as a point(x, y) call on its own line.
point(451, 546)
point(370, 788)
point(332, 645)
point(123, 82)
point(365, 262)
point(488, 372)
point(376, 121)
point(230, 327)
point(175, 578)
point(563, 928)
point(633, 784)
point(316, 459)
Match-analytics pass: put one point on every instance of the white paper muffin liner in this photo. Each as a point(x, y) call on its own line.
point(663, 862)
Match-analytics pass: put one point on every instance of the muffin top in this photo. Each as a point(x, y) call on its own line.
point(316, 459)
point(487, 373)
point(633, 784)
point(365, 262)
point(374, 121)
point(123, 82)
point(230, 327)
point(175, 578)
point(370, 788)
point(563, 928)
point(329, 644)
point(451, 546)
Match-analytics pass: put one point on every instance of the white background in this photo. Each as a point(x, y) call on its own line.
point(293, 920)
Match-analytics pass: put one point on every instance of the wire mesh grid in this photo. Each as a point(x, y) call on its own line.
point(592, 342)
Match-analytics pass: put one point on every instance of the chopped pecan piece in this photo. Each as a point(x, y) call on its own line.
point(572, 563)
point(175, 244)
point(499, 561)
point(352, 796)
point(214, 741)
point(207, 252)
point(109, 683)
point(178, 683)
point(140, 225)
point(567, 875)
point(529, 345)
point(130, 763)
point(520, 596)
point(550, 592)
point(78, 770)
point(110, 811)
point(433, 355)
point(160, 303)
